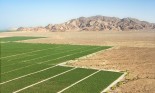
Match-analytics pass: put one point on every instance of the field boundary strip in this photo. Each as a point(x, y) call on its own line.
point(26, 53)
point(19, 58)
point(17, 69)
point(78, 82)
point(43, 80)
point(26, 61)
point(91, 68)
point(5, 41)
point(36, 51)
point(114, 83)
point(42, 62)
point(28, 74)
point(73, 54)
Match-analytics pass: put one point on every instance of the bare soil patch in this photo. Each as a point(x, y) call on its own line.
point(139, 62)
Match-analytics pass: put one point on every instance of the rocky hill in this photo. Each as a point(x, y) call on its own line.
point(95, 23)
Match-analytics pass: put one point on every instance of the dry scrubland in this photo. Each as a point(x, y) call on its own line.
point(133, 52)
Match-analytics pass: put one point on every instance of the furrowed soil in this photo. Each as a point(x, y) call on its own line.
point(133, 52)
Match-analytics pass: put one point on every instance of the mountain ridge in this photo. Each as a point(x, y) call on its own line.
point(95, 23)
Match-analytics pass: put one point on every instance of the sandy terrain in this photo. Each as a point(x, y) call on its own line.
point(133, 52)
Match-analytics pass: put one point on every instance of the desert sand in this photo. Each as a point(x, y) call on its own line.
point(132, 51)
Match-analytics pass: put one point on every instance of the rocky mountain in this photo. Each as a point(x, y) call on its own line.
point(95, 23)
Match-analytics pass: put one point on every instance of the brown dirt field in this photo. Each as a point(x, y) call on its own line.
point(133, 52)
point(139, 62)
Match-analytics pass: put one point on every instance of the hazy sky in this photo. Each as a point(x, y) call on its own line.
point(16, 13)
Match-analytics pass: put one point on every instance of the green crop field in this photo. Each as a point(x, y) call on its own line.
point(17, 38)
point(35, 68)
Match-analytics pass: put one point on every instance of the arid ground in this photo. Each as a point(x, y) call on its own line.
point(133, 52)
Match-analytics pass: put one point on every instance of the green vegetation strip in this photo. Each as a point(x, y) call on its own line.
point(17, 38)
point(56, 84)
point(39, 56)
point(26, 81)
point(13, 49)
point(24, 71)
point(95, 83)
point(52, 58)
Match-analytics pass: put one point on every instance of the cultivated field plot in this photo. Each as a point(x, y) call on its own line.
point(9, 39)
point(34, 68)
